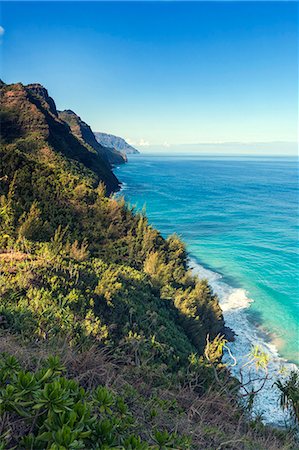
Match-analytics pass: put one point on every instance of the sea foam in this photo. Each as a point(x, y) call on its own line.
point(235, 303)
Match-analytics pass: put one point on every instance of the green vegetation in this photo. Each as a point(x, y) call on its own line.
point(103, 328)
point(289, 398)
point(57, 413)
point(84, 133)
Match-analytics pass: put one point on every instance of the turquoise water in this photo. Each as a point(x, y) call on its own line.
point(239, 218)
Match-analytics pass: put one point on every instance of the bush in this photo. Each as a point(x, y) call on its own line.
point(57, 413)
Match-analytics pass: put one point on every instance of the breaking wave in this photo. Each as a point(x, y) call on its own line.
point(235, 303)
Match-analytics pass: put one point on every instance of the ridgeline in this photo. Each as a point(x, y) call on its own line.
point(107, 339)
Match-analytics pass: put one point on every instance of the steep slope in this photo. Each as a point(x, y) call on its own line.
point(83, 132)
point(108, 339)
point(29, 114)
point(51, 181)
point(109, 140)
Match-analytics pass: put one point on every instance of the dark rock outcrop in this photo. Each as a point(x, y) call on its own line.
point(38, 90)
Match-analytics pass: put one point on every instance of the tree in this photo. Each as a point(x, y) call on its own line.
point(32, 228)
point(289, 397)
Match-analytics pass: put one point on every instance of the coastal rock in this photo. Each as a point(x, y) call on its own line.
point(229, 334)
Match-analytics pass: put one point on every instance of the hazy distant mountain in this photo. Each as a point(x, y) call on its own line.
point(109, 140)
point(278, 148)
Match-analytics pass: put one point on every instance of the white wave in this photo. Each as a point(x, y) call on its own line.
point(235, 303)
point(123, 187)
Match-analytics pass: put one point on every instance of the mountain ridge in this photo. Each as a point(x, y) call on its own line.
point(110, 140)
point(28, 110)
point(107, 340)
point(83, 132)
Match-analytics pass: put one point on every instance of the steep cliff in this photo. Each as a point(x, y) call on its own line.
point(28, 114)
point(83, 132)
point(106, 338)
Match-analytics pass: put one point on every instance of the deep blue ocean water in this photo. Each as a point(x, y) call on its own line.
point(239, 219)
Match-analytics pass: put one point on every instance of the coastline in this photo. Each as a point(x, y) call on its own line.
point(235, 303)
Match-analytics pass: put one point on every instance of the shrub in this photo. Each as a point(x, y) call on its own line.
point(57, 413)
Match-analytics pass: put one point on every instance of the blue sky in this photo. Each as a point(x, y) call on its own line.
point(162, 73)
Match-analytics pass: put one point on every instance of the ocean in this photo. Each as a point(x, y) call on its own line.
point(239, 220)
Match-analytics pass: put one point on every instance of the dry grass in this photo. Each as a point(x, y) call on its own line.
point(214, 421)
point(13, 256)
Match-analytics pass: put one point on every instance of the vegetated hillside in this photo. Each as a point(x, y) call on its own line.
point(83, 132)
point(109, 341)
point(109, 140)
point(29, 117)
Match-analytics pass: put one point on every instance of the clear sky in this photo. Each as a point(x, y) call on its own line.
point(173, 73)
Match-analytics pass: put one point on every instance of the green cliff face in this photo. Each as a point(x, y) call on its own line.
point(83, 132)
point(57, 183)
point(29, 116)
point(87, 279)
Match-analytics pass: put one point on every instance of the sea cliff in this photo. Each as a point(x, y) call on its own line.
point(108, 339)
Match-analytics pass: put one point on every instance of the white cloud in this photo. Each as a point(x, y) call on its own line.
point(2, 31)
point(166, 144)
point(130, 142)
point(143, 143)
